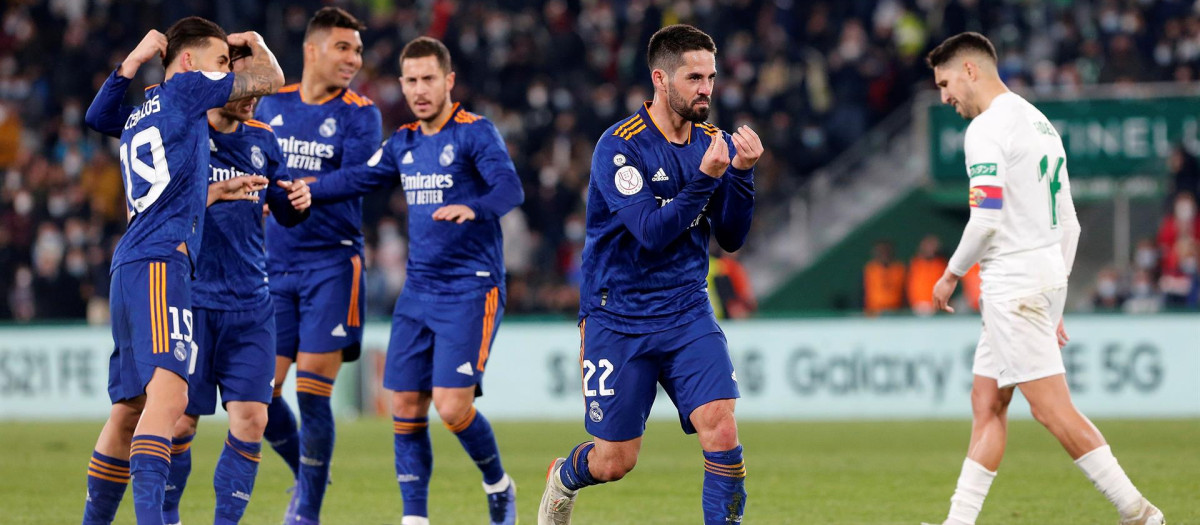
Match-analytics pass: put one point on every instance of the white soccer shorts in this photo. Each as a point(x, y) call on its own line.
point(1019, 341)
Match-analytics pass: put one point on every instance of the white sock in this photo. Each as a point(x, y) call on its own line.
point(414, 520)
point(973, 485)
point(499, 486)
point(1101, 467)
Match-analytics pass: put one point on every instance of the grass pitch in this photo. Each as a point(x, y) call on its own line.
point(827, 473)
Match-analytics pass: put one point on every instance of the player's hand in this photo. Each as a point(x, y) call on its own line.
point(749, 148)
point(249, 39)
point(943, 290)
point(458, 213)
point(241, 188)
point(716, 158)
point(298, 193)
point(154, 44)
point(1062, 335)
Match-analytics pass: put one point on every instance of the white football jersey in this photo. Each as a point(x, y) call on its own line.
point(1017, 165)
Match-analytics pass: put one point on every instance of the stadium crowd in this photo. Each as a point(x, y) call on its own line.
point(812, 77)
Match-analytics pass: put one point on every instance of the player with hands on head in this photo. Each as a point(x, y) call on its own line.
point(662, 182)
point(1023, 231)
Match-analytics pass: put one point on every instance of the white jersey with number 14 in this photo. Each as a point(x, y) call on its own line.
point(1017, 165)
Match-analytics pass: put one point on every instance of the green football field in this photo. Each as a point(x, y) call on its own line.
point(810, 473)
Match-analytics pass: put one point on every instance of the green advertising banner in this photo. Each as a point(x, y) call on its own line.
point(1103, 137)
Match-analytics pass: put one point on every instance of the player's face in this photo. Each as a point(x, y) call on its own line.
point(335, 55)
point(213, 58)
point(425, 85)
point(690, 88)
point(243, 109)
point(956, 89)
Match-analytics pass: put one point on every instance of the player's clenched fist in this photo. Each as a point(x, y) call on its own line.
point(154, 44)
point(749, 148)
point(298, 193)
point(716, 158)
point(248, 39)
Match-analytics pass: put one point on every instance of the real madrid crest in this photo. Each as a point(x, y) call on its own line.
point(595, 413)
point(328, 128)
point(180, 351)
point(257, 158)
point(447, 156)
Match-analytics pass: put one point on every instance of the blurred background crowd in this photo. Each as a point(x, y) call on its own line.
point(812, 77)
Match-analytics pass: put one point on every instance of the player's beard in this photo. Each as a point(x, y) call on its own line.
point(684, 109)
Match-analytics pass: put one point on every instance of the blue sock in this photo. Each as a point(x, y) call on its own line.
point(281, 433)
point(233, 480)
point(475, 435)
point(414, 463)
point(574, 473)
point(181, 468)
point(149, 464)
point(316, 441)
point(724, 497)
point(106, 482)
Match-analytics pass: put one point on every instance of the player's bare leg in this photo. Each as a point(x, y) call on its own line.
point(413, 453)
point(589, 463)
point(315, 373)
point(150, 460)
point(1050, 401)
point(108, 470)
point(724, 495)
point(456, 407)
point(989, 435)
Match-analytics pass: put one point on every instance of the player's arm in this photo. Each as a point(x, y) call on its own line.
point(262, 74)
point(653, 226)
point(1068, 221)
point(986, 169)
point(106, 114)
point(504, 186)
point(380, 171)
point(289, 200)
point(732, 205)
point(240, 188)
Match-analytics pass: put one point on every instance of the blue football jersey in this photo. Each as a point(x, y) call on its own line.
point(650, 211)
point(231, 273)
point(164, 160)
point(465, 162)
point(318, 137)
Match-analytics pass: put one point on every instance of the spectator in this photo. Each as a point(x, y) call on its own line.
point(1179, 281)
point(970, 288)
point(883, 281)
point(1143, 297)
point(729, 286)
point(924, 270)
point(1184, 171)
point(1183, 223)
point(1108, 296)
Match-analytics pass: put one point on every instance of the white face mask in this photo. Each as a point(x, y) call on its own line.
point(1106, 289)
point(1146, 258)
point(1188, 265)
point(1185, 210)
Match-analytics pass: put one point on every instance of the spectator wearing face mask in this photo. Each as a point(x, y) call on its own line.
point(1179, 280)
point(1143, 297)
point(1146, 257)
point(1108, 296)
point(1182, 223)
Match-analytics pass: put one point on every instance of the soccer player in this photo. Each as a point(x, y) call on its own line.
point(316, 267)
point(1023, 231)
point(662, 180)
point(459, 181)
point(164, 156)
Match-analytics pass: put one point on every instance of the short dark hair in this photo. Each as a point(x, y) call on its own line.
point(330, 17)
point(668, 45)
point(960, 43)
point(424, 46)
point(190, 32)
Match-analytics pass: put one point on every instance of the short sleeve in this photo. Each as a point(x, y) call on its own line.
point(985, 157)
point(619, 174)
point(200, 91)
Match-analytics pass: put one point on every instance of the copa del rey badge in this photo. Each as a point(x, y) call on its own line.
point(628, 180)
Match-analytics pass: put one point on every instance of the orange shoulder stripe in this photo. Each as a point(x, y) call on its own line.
point(290, 88)
point(259, 124)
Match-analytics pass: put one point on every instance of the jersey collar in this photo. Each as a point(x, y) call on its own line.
point(453, 111)
point(645, 113)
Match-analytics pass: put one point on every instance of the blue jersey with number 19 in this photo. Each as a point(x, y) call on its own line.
point(164, 160)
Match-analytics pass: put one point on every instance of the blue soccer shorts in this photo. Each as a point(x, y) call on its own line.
point(151, 306)
point(320, 311)
point(442, 343)
point(236, 354)
point(621, 373)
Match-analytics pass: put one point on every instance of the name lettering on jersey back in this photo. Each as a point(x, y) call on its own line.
point(148, 108)
point(220, 174)
point(423, 188)
point(305, 154)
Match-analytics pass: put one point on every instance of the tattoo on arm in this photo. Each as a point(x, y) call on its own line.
point(262, 76)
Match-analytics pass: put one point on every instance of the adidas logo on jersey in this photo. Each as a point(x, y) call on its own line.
point(338, 331)
point(465, 369)
point(660, 176)
point(277, 121)
point(407, 158)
